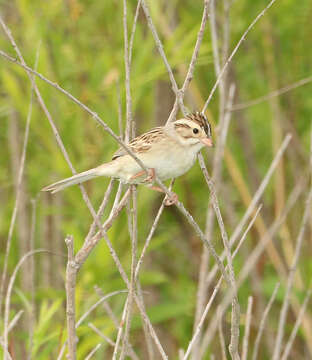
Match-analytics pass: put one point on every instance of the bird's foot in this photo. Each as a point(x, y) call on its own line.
point(169, 200)
point(149, 178)
point(172, 200)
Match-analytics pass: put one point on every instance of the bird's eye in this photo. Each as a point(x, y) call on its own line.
point(195, 131)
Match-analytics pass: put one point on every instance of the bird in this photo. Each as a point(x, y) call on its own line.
point(166, 151)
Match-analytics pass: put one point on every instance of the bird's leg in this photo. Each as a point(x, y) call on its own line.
point(149, 178)
point(173, 199)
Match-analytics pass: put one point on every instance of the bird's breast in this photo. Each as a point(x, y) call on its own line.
point(170, 162)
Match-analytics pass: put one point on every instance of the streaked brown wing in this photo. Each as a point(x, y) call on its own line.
point(141, 143)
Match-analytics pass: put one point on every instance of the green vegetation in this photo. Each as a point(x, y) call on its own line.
point(80, 44)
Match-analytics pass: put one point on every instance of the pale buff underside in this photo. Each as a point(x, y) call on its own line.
point(167, 160)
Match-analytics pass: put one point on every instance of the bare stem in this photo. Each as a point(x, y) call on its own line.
point(262, 322)
point(290, 279)
point(233, 347)
point(71, 274)
point(271, 95)
point(296, 327)
point(234, 52)
point(247, 329)
point(17, 200)
point(8, 296)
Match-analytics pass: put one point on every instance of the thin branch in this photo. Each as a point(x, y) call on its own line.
point(45, 109)
point(106, 306)
point(212, 297)
point(100, 211)
point(17, 199)
point(290, 279)
point(261, 188)
point(150, 235)
point(79, 103)
point(271, 95)
point(87, 313)
point(9, 293)
point(92, 352)
point(98, 332)
point(134, 251)
point(94, 115)
point(234, 52)
point(110, 313)
point(221, 335)
point(119, 106)
point(131, 353)
point(133, 30)
point(253, 258)
point(83, 254)
point(160, 47)
point(32, 317)
point(262, 322)
point(247, 329)
point(200, 35)
point(7, 355)
point(120, 329)
point(70, 284)
point(13, 322)
point(95, 305)
point(233, 347)
point(190, 72)
point(296, 327)
point(214, 38)
point(129, 122)
point(209, 226)
point(87, 247)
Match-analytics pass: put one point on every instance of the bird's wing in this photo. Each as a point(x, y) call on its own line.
point(141, 143)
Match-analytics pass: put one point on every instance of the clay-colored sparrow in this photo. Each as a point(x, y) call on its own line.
point(168, 151)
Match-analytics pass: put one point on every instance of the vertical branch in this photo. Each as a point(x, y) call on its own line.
point(133, 29)
point(32, 317)
point(129, 124)
point(71, 273)
point(247, 329)
point(224, 120)
point(119, 106)
point(233, 347)
point(120, 329)
point(134, 245)
point(221, 335)
point(217, 167)
point(130, 133)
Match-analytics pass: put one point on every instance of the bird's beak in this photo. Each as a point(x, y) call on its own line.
point(207, 142)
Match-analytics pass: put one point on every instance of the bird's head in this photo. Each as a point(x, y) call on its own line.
point(194, 130)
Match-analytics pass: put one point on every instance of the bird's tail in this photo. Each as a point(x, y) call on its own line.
point(75, 179)
point(103, 170)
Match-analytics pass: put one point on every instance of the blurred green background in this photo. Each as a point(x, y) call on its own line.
point(81, 48)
